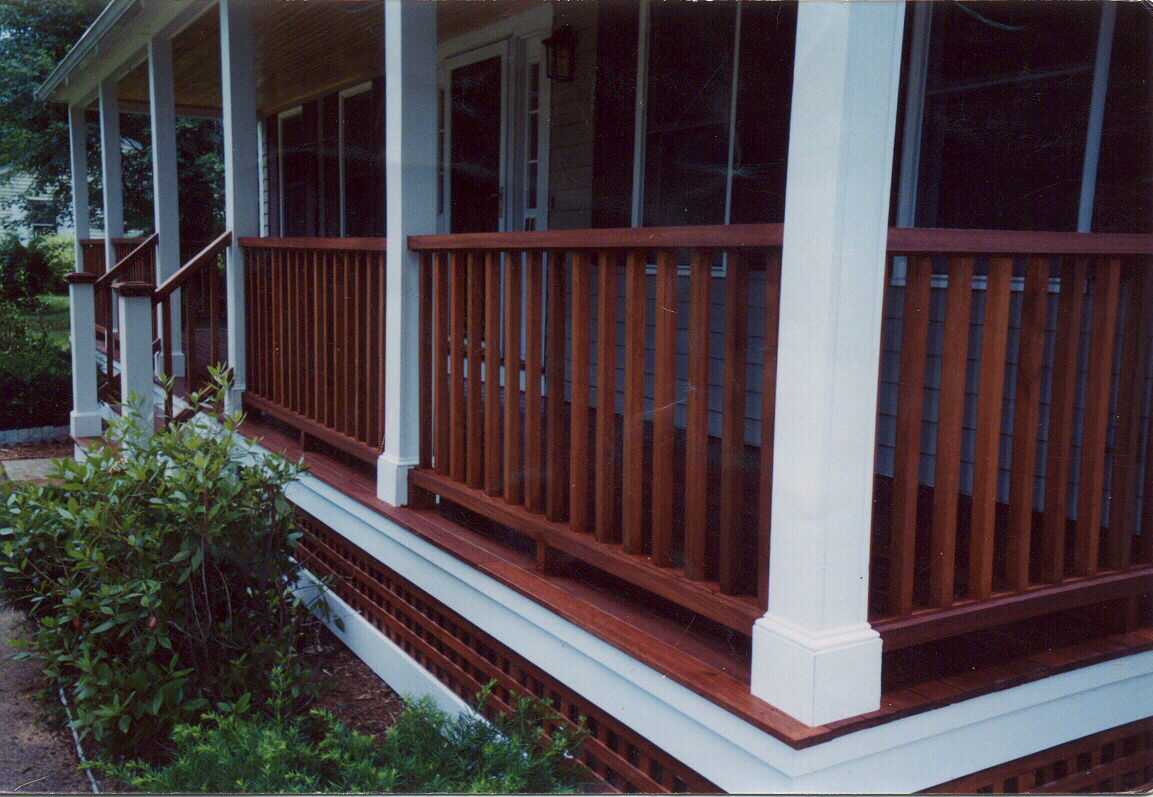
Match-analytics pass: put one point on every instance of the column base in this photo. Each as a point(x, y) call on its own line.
point(234, 400)
point(177, 363)
point(86, 424)
point(816, 678)
point(392, 480)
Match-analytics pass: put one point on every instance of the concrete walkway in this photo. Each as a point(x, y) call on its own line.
point(26, 470)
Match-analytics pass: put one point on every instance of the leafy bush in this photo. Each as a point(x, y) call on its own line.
point(424, 751)
point(159, 577)
point(29, 269)
point(35, 373)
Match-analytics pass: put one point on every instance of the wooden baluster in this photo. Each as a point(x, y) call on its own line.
point(458, 413)
point(579, 407)
point(324, 297)
point(768, 421)
point(427, 366)
point(213, 356)
point(697, 428)
point(279, 318)
point(475, 332)
point(492, 441)
point(950, 420)
point(166, 352)
point(994, 337)
point(607, 529)
point(633, 455)
point(348, 388)
point(441, 374)
point(533, 420)
point(381, 305)
point(556, 492)
point(513, 473)
point(251, 319)
point(1060, 428)
point(292, 291)
point(1098, 388)
point(906, 469)
point(1027, 401)
point(1144, 552)
point(1124, 512)
point(733, 560)
point(664, 400)
point(318, 337)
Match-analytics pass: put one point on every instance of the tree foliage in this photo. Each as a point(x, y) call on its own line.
point(34, 36)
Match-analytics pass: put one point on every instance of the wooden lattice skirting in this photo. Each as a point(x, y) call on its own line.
point(1117, 760)
point(465, 658)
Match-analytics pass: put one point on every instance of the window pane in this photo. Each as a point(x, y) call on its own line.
point(687, 126)
point(298, 160)
point(1005, 113)
point(361, 188)
point(765, 87)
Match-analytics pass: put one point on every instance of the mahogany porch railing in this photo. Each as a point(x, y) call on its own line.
point(198, 287)
point(544, 413)
point(136, 264)
point(92, 252)
point(315, 337)
point(1058, 327)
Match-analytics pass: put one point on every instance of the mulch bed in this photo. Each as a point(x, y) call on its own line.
point(62, 450)
point(350, 690)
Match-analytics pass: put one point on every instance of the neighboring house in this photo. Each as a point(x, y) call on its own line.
point(26, 221)
point(769, 384)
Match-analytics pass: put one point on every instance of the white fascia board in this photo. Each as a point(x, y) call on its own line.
point(902, 755)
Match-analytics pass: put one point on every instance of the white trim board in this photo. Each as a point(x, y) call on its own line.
point(898, 756)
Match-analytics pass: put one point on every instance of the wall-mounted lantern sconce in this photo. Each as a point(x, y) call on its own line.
point(560, 51)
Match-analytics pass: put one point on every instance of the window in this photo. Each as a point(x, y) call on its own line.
point(41, 217)
point(713, 109)
point(297, 166)
point(361, 190)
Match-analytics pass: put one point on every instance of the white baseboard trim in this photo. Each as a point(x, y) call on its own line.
point(902, 755)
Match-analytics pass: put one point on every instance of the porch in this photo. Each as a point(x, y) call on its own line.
point(825, 473)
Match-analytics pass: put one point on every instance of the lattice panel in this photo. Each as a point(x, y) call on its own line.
point(1116, 760)
point(465, 658)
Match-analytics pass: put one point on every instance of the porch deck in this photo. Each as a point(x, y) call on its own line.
point(713, 661)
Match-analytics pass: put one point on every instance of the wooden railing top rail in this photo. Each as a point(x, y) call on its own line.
point(909, 241)
point(337, 244)
point(718, 236)
point(116, 271)
point(914, 241)
point(120, 240)
point(192, 267)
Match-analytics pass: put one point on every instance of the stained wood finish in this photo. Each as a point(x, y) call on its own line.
point(768, 423)
point(557, 489)
point(315, 326)
point(513, 473)
point(533, 370)
point(579, 518)
point(458, 412)
point(664, 399)
point(475, 446)
point(633, 455)
point(605, 522)
point(733, 559)
point(491, 377)
point(697, 430)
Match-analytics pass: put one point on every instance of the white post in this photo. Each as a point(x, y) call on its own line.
point(78, 161)
point(165, 186)
point(111, 176)
point(410, 193)
point(136, 369)
point(1096, 116)
point(85, 417)
point(815, 656)
point(241, 170)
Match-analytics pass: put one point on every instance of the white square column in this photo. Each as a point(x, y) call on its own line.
point(136, 372)
point(410, 48)
point(78, 163)
point(85, 419)
point(165, 186)
point(815, 656)
point(111, 173)
point(241, 171)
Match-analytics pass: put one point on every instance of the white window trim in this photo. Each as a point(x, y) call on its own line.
point(280, 181)
point(353, 91)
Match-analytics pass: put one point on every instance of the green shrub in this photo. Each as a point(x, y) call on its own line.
point(29, 269)
point(424, 751)
point(35, 373)
point(159, 577)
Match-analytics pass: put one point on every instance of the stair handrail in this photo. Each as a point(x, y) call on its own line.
point(194, 266)
point(113, 273)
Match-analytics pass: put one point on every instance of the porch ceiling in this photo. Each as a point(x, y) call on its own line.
point(304, 49)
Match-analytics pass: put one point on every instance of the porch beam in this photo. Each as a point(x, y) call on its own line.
point(111, 173)
point(165, 180)
point(410, 48)
point(241, 170)
point(815, 656)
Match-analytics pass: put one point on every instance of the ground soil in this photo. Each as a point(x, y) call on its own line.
point(352, 691)
point(36, 451)
point(37, 753)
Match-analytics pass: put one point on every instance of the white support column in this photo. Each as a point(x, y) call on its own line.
point(165, 191)
point(111, 175)
point(85, 417)
point(78, 161)
point(241, 170)
point(136, 369)
point(410, 193)
point(815, 656)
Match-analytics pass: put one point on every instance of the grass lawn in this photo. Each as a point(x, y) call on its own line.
point(52, 313)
